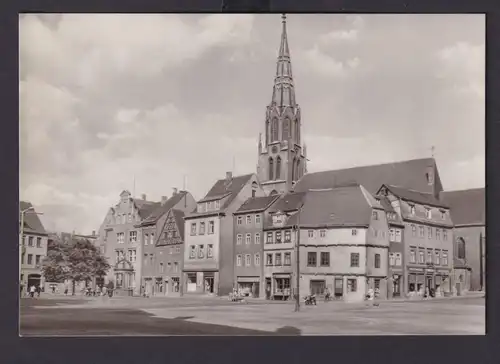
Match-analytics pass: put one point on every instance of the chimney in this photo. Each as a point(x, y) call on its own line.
point(143, 196)
point(175, 191)
point(93, 232)
point(229, 176)
point(163, 200)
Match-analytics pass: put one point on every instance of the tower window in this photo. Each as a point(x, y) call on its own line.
point(286, 129)
point(274, 130)
point(271, 168)
point(278, 167)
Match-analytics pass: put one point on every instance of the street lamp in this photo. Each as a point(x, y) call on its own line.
point(30, 209)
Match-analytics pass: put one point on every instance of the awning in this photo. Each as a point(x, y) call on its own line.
point(248, 279)
point(282, 275)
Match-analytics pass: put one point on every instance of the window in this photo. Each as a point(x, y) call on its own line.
point(436, 257)
point(146, 238)
point(238, 260)
point(239, 239)
point(429, 232)
point(249, 219)
point(413, 257)
point(132, 236)
point(325, 259)
point(145, 259)
point(352, 285)
point(30, 241)
point(192, 252)
point(428, 213)
point(288, 236)
point(248, 260)
point(176, 267)
point(277, 259)
point(421, 231)
point(38, 242)
point(443, 215)
point(376, 284)
point(310, 233)
point(354, 259)
point(210, 250)
point(461, 248)
point(429, 256)
point(278, 236)
point(377, 260)
point(132, 255)
point(30, 259)
point(398, 259)
point(413, 230)
point(37, 259)
point(193, 228)
point(269, 259)
point(177, 249)
point(151, 259)
point(271, 169)
point(412, 209)
point(248, 238)
point(398, 236)
point(375, 232)
point(210, 227)
point(217, 204)
point(257, 238)
point(269, 237)
point(201, 251)
point(311, 259)
point(239, 220)
point(120, 237)
point(171, 250)
point(257, 219)
point(445, 235)
point(322, 233)
point(257, 259)
point(202, 228)
point(421, 257)
point(392, 235)
point(288, 258)
point(438, 234)
point(375, 215)
point(444, 259)
point(161, 268)
point(354, 232)
point(152, 239)
point(392, 259)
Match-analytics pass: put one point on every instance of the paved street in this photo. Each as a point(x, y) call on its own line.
point(216, 316)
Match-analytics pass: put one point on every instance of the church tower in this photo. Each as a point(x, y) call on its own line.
point(281, 160)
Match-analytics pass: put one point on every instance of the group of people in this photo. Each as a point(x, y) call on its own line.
point(32, 290)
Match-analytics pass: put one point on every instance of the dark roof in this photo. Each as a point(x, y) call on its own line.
point(32, 223)
point(179, 219)
point(416, 196)
point(220, 189)
point(159, 210)
point(257, 203)
point(409, 174)
point(288, 202)
point(145, 208)
point(386, 204)
point(466, 206)
point(343, 206)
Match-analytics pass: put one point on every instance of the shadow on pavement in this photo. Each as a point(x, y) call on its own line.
point(288, 330)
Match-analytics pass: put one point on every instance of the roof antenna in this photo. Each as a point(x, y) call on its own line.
point(433, 149)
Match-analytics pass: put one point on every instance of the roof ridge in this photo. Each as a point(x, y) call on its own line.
point(410, 189)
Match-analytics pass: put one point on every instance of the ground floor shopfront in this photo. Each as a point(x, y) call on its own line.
point(249, 286)
point(421, 281)
point(201, 282)
point(32, 277)
point(161, 286)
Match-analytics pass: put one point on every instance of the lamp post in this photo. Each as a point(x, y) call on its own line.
point(30, 209)
point(297, 259)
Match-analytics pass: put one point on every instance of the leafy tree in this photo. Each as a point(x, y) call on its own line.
point(77, 261)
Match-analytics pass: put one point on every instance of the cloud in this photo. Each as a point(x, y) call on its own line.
point(327, 65)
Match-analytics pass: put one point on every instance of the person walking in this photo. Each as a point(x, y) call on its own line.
point(38, 291)
point(32, 291)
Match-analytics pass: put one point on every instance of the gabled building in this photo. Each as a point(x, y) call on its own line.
point(33, 247)
point(249, 241)
point(468, 213)
point(428, 240)
point(209, 234)
point(162, 245)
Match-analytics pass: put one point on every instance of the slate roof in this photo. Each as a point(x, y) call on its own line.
point(179, 219)
point(257, 204)
point(288, 202)
point(32, 223)
point(145, 208)
point(416, 196)
point(342, 206)
point(158, 210)
point(467, 207)
point(409, 174)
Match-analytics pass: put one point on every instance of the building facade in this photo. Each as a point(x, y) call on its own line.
point(281, 159)
point(248, 244)
point(33, 247)
point(428, 240)
point(209, 233)
point(162, 245)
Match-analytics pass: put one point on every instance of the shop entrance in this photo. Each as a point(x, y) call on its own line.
point(209, 284)
point(34, 280)
point(317, 287)
point(339, 287)
point(268, 288)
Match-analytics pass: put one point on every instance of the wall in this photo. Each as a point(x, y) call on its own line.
point(33, 268)
point(471, 236)
point(199, 264)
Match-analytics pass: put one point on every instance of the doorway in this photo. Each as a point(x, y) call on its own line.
point(317, 287)
point(339, 287)
point(209, 284)
point(34, 280)
point(268, 288)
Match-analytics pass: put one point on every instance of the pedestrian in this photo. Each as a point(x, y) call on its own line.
point(53, 289)
point(21, 289)
point(32, 291)
point(38, 291)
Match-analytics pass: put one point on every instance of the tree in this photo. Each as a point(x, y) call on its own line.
point(77, 261)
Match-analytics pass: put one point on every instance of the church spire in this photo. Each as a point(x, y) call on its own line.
point(283, 90)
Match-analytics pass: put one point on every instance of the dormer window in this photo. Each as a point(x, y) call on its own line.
point(412, 209)
point(217, 204)
point(443, 215)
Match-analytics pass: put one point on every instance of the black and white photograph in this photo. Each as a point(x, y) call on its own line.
point(251, 174)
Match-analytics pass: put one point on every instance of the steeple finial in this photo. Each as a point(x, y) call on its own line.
point(284, 93)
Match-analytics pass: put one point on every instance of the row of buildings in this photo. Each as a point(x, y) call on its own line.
point(389, 226)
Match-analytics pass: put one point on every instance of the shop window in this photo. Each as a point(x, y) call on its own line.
point(352, 285)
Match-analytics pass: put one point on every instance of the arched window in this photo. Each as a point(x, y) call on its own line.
point(271, 169)
point(296, 131)
point(267, 132)
point(460, 248)
point(293, 169)
point(254, 188)
point(278, 167)
point(274, 130)
point(286, 129)
point(297, 174)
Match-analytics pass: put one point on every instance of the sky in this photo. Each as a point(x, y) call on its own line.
point(168, 99)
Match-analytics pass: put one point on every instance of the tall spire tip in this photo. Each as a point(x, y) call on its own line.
point(283, 17)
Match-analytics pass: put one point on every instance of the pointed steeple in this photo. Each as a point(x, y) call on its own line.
point(283, 91)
